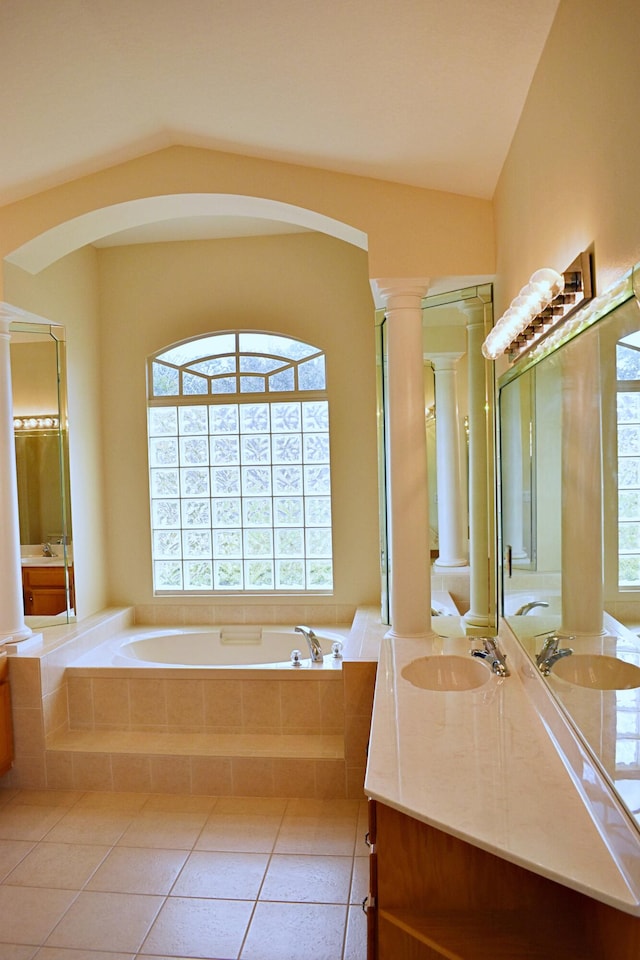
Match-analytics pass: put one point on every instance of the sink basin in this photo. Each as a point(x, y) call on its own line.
point(446, 673)
point(597, 671)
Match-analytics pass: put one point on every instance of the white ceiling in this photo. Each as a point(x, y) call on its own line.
point(422, 92)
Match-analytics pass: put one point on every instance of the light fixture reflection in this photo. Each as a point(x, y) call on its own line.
point(36, 423)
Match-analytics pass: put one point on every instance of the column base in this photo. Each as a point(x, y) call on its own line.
point(448, 564)
point(396, 635)
point(15, 636)
point(477, 619)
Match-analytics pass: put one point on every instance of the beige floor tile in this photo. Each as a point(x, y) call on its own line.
point(242, 833)
point(138, 870)
point(48, 798)
point(355, 947)
point(61, 953)
point(291, 931)
point(307, 879)
point(261, 806)
point(90, 825)
point(10, 951)
point(65, 866)
point(199, 928)
point(29, 914)
point(120, 802)
point(21, 821)
point(94, 919)
point(222, 876)
point(180, 803)
point(11, 853)
point(164, 830)
point(319, 826)
point(359, 880)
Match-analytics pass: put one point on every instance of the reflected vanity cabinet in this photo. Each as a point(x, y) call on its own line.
point(432, 895)
point(45, 590)
point(6, 729)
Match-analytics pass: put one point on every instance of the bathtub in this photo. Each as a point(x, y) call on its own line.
point(242, 646)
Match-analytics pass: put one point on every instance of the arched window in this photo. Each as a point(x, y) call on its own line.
point(239, 465)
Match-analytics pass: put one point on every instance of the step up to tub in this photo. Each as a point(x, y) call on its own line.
point(306, 765)
point(308, 746)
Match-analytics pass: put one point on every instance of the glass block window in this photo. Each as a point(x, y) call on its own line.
point(240, 480)
point(628, 431)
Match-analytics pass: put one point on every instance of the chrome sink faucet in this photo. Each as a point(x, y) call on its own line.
point(47, 550)
point(315, 650)
point(494, 656)
point(551, 652)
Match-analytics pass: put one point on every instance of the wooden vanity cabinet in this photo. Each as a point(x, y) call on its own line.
point(45, 590)
point(432, 895)
point(6, 727)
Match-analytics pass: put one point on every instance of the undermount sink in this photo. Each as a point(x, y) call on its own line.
point(446, 673)
point(597, 671)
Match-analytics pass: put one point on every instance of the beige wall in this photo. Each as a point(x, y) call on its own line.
point(305, 285)
point(571, 181)
point(67, 293)
point(411, 231)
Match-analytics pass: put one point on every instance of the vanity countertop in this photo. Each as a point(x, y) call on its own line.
point(499, 767)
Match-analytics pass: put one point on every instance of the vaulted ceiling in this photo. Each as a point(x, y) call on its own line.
point(422, 92)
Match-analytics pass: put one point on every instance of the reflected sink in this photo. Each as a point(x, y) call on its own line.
point(597, 671)
point(446, 673)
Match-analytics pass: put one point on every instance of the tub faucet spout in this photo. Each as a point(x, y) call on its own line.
point(315, 650)
point(528, 607)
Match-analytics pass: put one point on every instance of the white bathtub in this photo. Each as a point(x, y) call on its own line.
point(225, 646)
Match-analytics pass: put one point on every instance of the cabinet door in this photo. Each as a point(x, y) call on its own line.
point(45, 592)
point(6, 729)
point(372, 897)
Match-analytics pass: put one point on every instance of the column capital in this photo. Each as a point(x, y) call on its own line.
point(474, 314)
point(443, 361)
point(402, 292)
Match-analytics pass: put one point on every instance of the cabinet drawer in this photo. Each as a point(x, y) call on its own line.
point(43, 576)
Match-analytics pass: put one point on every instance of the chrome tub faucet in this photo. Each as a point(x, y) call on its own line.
point(494, 656)
point(528, 607)
point(315, 650)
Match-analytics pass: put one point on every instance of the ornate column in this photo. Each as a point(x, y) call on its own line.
point(12, 625)
point(409, 558)
point(452, 538)
point(478, 613)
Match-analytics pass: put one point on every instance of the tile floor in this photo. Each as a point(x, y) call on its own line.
point(108, 876)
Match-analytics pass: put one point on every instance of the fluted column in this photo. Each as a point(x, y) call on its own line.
point(452, 539)
point(478, 613)
point(409, 557)
point(12, 625)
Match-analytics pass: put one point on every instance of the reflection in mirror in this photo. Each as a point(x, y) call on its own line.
point(42, 466)
point(570, 530)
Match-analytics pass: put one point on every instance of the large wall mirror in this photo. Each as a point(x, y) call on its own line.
point(570, 526)
point(42, 464)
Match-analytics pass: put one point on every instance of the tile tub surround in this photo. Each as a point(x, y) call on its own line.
point(143, 875)
point(190, 730)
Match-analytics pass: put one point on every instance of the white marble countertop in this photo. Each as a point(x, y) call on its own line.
point(499, 767)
